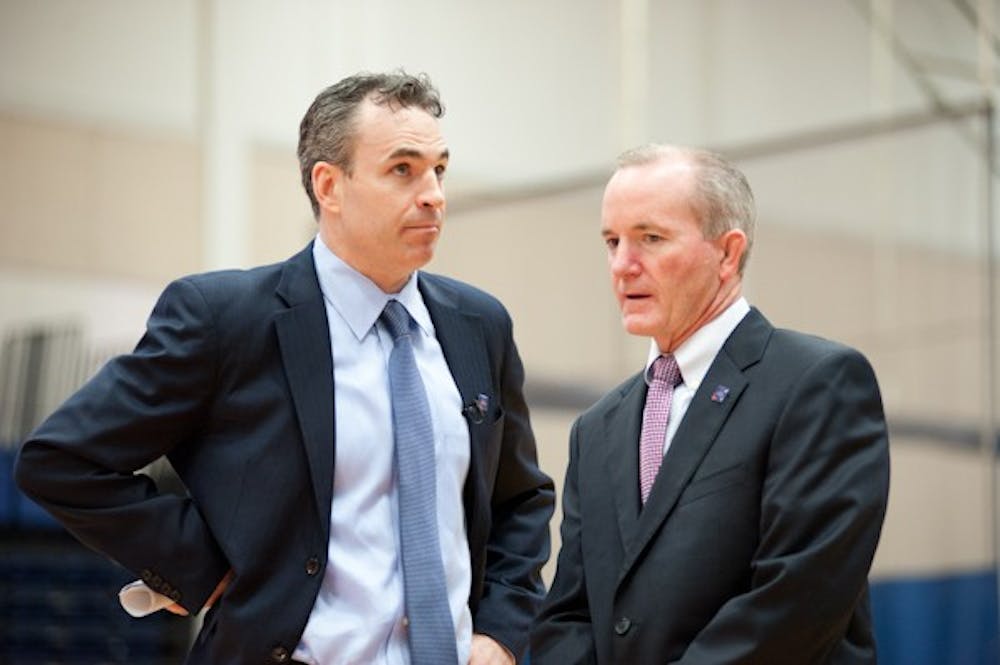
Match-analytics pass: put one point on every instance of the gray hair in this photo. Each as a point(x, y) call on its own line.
point(722, 199)
point(327, 131)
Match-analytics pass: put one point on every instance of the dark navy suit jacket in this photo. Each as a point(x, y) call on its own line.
point(233, 382)
point(755, 543)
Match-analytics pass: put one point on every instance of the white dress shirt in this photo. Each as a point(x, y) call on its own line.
point(359, 613)
point(694, 357)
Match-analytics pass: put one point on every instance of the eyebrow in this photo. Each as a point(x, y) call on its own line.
point(640, 227)
point(415, 154)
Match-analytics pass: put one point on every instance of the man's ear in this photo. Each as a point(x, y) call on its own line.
point(326, 181)
point(733, 244)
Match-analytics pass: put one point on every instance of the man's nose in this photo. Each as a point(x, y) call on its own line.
point(623, 260)
point(432, 192)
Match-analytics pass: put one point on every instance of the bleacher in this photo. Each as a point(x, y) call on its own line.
point(58, 599)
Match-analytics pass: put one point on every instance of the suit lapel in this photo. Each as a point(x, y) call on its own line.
point(622, 426)
point(304, 339)
point(704, 419)
point(460, 334)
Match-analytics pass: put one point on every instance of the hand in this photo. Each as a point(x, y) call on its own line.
point(219, 590)
point(487, 651)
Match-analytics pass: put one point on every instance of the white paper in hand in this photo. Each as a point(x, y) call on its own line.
point(139, 600)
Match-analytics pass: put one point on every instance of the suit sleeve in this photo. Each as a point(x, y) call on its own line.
point(80, 464)
point(822, 505)
point(521, 507)
point(563, 631)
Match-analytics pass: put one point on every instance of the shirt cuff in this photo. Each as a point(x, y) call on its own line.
point(139, 600)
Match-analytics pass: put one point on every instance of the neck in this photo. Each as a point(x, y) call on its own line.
point(727, 294)
point(389, 281)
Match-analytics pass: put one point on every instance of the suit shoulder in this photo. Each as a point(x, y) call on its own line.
point(224, 297)
point(233, 279)
point(796, 354)
point(225, 286)
point(809, 346)
point(466, 295)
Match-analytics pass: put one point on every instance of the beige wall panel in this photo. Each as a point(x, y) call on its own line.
point(552, 436)
point(281, 221)
point(147, 207)
point(813, 281)
point(932, 343)
point(46, 186)
point(96, 202)
point(545, 259)
point(916, 313)
point(938, 518)
point(933, 379)
point(935, 292)
point(848, 288)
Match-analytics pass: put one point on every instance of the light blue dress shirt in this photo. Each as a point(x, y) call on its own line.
point(359, 613)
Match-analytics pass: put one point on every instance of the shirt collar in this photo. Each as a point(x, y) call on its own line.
point(357, 299)
point(696, 354)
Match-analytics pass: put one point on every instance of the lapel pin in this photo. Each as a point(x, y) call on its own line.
point(720, 394)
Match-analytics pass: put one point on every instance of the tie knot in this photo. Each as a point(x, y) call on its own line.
point(665, 369)
point(396, 319)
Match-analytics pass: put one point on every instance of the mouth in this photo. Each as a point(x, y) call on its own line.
point(429, 227)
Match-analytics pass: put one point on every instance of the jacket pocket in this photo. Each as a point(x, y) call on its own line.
point(717, 481)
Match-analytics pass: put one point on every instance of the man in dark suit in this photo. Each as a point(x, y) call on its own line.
point(267, 390)
point(724, 506)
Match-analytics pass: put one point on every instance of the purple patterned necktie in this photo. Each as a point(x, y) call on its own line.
point(666, 374)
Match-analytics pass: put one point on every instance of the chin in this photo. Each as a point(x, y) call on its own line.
point(635, 325)
point(424, 257)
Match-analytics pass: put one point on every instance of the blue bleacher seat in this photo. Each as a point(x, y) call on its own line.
point(7, 489)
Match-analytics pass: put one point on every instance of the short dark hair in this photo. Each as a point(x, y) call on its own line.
point(722, 199)
point(327, 131)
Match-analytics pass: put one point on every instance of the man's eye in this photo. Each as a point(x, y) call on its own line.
point(611, 242)
point(439, 170)
point(652, 237)
point(401, 169)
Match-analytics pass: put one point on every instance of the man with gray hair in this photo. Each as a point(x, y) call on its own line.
point(723, 506)
point(361, 479)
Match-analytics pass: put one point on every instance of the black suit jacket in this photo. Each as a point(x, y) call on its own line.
point(233, 382)
point(757, 538)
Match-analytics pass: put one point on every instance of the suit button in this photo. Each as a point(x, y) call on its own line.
point(622, 625)
point(312, 566)
point(279, 655)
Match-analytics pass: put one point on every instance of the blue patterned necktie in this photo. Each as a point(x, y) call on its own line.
point(431, 633)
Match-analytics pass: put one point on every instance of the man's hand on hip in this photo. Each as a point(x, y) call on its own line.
point(487, 651)
point(177, 609)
